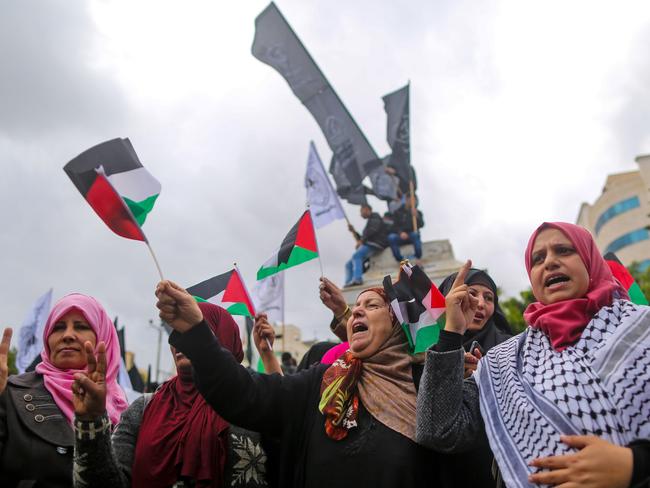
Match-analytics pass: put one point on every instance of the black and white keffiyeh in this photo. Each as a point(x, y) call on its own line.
point(530, 394)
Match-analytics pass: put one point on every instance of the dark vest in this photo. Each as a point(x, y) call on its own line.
point(36, 440)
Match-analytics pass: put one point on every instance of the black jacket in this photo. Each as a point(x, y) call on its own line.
point(36, 440)
point(286, 407)
point(403, 221)
point(375, 233)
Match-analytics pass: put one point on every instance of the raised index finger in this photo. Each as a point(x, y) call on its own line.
point(90, 358)
point(462, 274)
point(101, 358)
point(6, 340)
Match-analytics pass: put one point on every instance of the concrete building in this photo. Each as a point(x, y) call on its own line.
point(619, 220)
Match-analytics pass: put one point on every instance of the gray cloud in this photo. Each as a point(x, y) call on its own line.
point(231, 157)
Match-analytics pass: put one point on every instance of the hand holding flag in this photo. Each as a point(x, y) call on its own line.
point(177, 307)
point(263, 334)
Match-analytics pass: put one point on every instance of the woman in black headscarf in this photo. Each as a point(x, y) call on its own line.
point(489, 328)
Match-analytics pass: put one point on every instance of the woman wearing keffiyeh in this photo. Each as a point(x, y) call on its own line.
point(351, 423)
point(565, 403)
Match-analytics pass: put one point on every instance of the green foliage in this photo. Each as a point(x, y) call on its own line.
point(11, 361)
point(641, 277)
point(514, 307)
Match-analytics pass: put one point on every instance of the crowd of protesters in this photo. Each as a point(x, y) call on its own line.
point(565, 403)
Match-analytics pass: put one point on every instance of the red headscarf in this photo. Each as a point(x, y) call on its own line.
point(564, 321)
point(180, 434)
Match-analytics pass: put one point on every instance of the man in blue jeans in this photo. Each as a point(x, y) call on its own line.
point(371, 241)
point(403, 231)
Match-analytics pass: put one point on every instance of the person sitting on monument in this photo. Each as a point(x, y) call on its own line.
point(403, 231)
point(371, 241)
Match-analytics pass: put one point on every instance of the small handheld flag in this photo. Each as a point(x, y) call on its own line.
point(299, 246)
point(117, 187)
point(226, 290)
point(621, 273)
point(418, 305)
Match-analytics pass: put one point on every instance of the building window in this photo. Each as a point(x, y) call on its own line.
point(627, 239)
point(616, 209)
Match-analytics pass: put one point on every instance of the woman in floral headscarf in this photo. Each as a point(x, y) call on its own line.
point(36, 409)
point(348, 424)
point(565, 403)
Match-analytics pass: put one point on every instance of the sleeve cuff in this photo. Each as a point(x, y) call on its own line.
point(641, 463)
point(87, 430)
point(448, 341)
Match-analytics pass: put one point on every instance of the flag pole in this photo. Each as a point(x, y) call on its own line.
point(411, 185)
point(268, 343)
point(155, 260)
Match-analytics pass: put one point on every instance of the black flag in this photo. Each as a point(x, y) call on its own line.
point(278, 46)
point(396, 105)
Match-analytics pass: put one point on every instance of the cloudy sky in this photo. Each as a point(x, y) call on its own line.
point(519, 109)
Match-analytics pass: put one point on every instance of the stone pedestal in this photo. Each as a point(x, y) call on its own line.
point(437, 261)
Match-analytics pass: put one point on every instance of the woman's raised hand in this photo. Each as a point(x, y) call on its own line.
point(460, 305)
point(263, 334)
point(89, 388)
point(4, 355)
point(332, 296)
point(177, 307)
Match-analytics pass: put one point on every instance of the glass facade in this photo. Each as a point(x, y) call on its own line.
point(616, 209)
point(627, 239)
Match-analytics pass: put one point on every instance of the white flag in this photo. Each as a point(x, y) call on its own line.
point(268, 297)
point(30, 337)
point(323, 201)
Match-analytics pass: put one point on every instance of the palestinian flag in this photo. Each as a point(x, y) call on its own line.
point(226, 290)
point(115, 184)
point(297, 247)
point(621, 273)
point(418, 305)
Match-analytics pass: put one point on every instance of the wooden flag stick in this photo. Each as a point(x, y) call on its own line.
point(155, 260)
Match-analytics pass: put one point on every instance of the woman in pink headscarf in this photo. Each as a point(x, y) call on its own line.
point(36, 409)
point(567, 402)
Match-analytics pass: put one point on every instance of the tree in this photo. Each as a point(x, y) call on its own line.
point(513, 308)
point(642, 277)
point(11, 361)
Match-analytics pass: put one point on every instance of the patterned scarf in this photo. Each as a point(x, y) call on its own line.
point(531, 393)
point(383, 382)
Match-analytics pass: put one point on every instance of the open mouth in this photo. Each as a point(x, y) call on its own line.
point(478, 317)
point(359, 327)
point(555, 280)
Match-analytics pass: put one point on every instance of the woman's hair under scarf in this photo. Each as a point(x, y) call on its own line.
point(59, 381)
point(480, 277)
point(564, 321)
point(383, 382)
point(180, 434)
